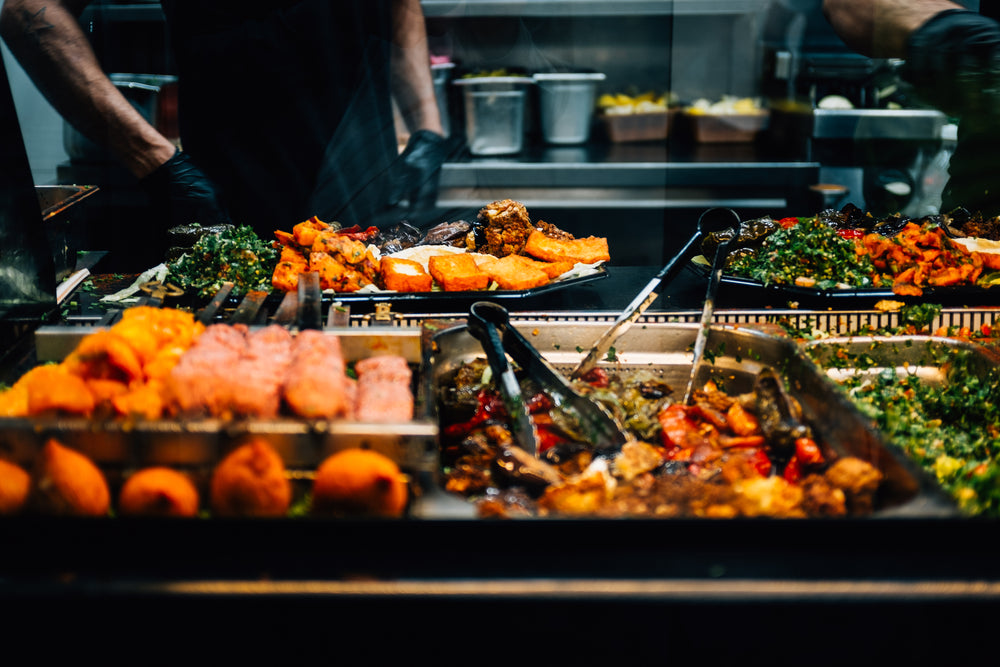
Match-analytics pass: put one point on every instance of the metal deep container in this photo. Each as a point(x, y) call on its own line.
point(153, 95)
point(566, 105)
point(441, 74)
point(494, 113)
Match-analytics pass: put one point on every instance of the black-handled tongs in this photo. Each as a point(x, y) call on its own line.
point(490, 325)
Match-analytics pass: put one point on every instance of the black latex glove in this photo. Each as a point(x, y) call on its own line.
point(417, 172)
point(182, 192)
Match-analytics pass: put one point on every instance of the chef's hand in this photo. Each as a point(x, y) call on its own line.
point(186, 195)
point(417, 172)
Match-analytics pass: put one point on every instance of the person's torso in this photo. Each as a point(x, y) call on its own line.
point(267, 86)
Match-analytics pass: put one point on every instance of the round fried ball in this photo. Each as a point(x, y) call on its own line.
point(67, 482)
point(359, 482)
point(251, 481)
point(15, 482)
point(158, 491)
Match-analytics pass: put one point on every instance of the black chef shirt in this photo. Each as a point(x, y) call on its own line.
point(954, 62)
point(285, 104)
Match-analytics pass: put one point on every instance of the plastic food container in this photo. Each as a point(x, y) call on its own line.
point(494, 113)
point(153, 95)
point(566, 105)
point(624, 128)
point(727, 128)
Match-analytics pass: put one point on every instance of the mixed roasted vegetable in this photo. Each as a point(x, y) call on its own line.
point(721, 456)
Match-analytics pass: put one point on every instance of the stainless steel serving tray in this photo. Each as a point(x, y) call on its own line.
point(737, 355)
point(923, 356)
point(193, 444)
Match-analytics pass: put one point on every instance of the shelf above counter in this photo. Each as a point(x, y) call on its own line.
point(629, 176)
point(151, 11)
point(459, 8)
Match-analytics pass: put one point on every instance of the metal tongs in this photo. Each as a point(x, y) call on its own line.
point(714, 220)
point(489, 323)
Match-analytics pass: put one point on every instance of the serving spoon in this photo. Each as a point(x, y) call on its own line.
point(707, 310)
point(712, 221)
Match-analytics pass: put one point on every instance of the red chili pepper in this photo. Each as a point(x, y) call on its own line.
point(851, 234)
point(793, 471)
point(808, 452)
point(788, 222)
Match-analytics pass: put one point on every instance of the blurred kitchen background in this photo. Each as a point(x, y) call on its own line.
point(840, 127)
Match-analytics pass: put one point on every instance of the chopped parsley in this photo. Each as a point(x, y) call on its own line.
point(235, 255)
point(810, 250)
point(951, 430)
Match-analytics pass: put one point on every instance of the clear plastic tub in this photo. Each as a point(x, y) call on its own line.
point(494, 114)
point(566, 105)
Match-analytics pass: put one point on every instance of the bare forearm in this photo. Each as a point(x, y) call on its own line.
point(47, 40)
point(880, 28)
point(412, 84)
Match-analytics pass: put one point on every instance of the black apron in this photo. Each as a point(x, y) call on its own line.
point(954, 62)
point(286, 105)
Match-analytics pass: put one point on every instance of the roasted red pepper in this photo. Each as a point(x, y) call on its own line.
point(489, 407)
point(793, 471)
point(808, 452)
point(761, 462)
point(597, 377)
point(850, 234)
point(355, 232)
point(788, 222)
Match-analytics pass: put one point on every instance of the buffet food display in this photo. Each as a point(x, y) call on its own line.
point(850, 253)
point(164, 413)
point(504, 250)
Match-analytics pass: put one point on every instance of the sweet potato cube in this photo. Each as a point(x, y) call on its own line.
point(404, 275)
point(457, 272)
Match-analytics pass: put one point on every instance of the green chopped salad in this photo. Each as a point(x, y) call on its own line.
point(236, 255)
point(809, 254)
point(951, 430)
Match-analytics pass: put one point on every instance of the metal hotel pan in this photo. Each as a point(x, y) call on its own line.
point(734, 357)
point(197, 444)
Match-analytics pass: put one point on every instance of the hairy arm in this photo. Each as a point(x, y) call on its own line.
point(881, 28)
point(46, 38)
point(412, 84)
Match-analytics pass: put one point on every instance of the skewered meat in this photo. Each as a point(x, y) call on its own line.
point(315, 383)
point(231, 372)
point(383, 389)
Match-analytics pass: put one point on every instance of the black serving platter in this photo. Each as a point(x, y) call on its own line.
point(420, 297)
point(753, 293)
